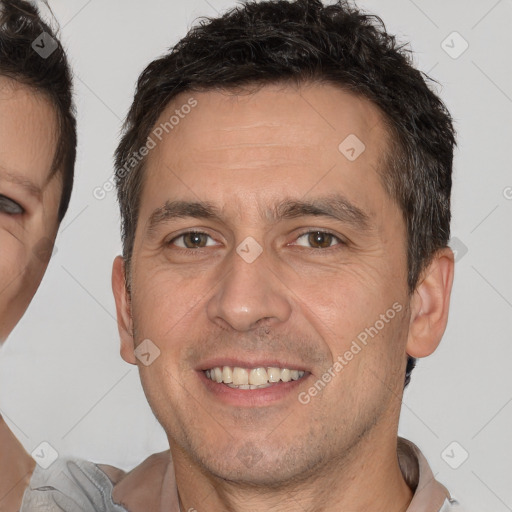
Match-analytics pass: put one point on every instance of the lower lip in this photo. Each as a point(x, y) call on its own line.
point(252, 397)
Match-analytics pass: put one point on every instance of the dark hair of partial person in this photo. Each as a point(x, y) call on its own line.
point(304, 42)
point(20, 26)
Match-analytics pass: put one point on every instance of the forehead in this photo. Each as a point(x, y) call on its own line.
point(279, 140)
point(28, 134)
point(310, 115)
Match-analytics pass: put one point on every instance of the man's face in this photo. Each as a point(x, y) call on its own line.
point(29, 199)
point(260, 244)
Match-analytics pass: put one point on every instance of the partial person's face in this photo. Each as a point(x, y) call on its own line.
point(261, 245)
point(29, 198)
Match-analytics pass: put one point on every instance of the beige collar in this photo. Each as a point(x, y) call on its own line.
point(429, 494)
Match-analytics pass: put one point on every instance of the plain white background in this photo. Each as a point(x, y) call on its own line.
point(61, 377)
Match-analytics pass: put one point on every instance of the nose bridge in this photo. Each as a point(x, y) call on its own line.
point(249, 291)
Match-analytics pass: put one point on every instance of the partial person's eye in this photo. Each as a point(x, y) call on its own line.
point(9, 206)
point(193, 240)
point(318, 240)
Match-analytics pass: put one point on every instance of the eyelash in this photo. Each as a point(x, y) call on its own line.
point(173, 240)
point(8, 203)
point(309, 232)
point(324, 232)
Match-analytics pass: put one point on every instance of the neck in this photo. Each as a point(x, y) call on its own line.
point(16, 467)
point(369, 478)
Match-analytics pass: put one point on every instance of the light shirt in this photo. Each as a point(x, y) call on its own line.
point(80, 486)
point(429, 494)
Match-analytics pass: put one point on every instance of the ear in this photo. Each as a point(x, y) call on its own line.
point(430, 305)
point(123, 309)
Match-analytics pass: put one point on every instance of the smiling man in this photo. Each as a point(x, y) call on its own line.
point(284, 181)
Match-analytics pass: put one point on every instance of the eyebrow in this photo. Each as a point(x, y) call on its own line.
point(333, 206)
point(22, 181)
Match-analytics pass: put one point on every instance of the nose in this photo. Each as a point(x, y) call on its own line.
point(249, 295)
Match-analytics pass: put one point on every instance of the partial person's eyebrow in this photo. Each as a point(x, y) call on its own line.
point(20, 180)
point(333, 206)
point(180, 210)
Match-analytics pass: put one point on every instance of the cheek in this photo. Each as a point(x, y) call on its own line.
point(14, 254)
point(361, 319)
point(165, 305)
point(21, 266)
point(342, 301)
point(374, 353)
point(21, 271)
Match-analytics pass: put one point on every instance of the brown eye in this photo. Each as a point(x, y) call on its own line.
point(193, 240)
point(320, 240)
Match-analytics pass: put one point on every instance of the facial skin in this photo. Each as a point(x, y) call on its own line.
point(298, 305)
point(29, 202)
point(29, 198)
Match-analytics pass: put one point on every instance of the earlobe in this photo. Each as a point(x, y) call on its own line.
point(430, 305)
point(123, 310)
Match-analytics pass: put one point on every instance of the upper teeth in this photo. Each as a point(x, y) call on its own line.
point(246, 378)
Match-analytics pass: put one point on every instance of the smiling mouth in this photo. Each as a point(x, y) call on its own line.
point(252, 378)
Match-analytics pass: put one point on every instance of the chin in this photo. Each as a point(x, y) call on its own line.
point(260, 466)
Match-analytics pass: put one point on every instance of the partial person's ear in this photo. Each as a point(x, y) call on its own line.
point(123, 309)
point(430, 305)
